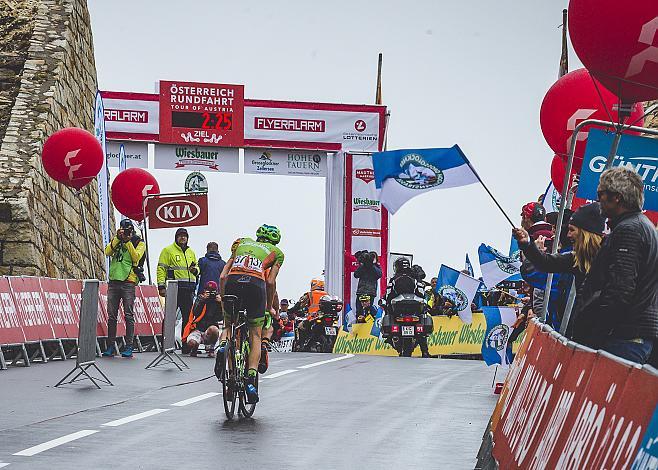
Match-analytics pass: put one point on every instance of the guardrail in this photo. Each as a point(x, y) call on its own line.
point(39, 318)
point(567, 406)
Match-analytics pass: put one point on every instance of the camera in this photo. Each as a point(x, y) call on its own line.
point(365, 256)
point(139, 272)
point(212, 294)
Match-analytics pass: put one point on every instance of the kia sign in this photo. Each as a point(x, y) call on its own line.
point(178, 211)
point(637, 153)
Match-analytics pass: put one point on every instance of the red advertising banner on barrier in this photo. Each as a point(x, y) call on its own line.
point(151, 298)
point(566, 406)
point(32, 310)
point(60, 307)
point(11, 331)
point(178, 211)
point(201, 114)
point(142, 321)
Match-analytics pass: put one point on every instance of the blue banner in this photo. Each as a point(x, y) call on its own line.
point(635, 152)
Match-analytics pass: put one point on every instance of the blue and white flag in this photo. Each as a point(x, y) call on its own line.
point(349, 317)
point(495, 266)
point(403, 174)
point(469, 267)
point(377, 325)
point(514, 253)
point(459, 289)
point(499, 328)
point(551, 201)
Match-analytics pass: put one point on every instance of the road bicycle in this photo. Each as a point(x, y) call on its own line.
point(234, 389)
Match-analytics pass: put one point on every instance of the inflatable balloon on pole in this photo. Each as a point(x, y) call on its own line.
point(616, 42)
point(74, 157)
point(572, 99)
point(129, 189)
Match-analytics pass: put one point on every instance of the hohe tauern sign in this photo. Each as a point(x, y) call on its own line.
point(178, 211)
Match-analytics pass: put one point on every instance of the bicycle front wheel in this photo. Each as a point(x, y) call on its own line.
point(246, 409)
point(229, 381)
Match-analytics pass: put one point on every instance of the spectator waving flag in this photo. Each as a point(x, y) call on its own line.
point(403, 174)
point(515, 254)
point(499, 327)
point(469, 267)
point(495, 266)
point(459, 289)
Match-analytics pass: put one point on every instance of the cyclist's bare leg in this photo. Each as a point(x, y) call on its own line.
point(255, 333)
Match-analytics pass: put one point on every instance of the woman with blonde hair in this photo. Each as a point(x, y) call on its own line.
point(586, 228)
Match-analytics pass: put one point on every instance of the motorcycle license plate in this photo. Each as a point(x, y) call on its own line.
point(330, 330)
point(407, 330)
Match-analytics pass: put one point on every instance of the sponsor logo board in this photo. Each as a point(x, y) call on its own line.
point(178, 211)
point(136, 153)
point(285, 162)
point(186, 157)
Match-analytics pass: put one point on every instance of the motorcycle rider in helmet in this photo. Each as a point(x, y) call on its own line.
point(310, 301)
point(403, 271)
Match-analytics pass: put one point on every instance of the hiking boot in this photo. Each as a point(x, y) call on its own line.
point(264, 362)
point(250, 388)
point(109, 352)
point(127, 352)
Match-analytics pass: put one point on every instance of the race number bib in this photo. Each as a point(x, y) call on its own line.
point(248, 263)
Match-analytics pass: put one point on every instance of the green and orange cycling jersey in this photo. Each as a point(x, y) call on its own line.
point(253, 258)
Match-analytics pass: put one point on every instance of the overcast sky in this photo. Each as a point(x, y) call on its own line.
point(472, 73)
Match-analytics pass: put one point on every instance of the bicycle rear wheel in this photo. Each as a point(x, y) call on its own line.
point(229, 381)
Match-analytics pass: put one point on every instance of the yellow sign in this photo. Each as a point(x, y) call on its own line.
point(450, 336)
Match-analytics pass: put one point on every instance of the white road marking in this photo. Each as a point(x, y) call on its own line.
point(189, 401)
point(314, 364)
point(279, 374)
point(129, 419)
point(3, 465)
point(54, 443)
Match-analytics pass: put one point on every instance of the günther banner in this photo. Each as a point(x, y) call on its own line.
point(366, 224)
point(285, 162)
point(135, 153)
point(634, 152)
point(191, 158)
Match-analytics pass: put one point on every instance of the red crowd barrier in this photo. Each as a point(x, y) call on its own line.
point(38, 309)
point(567, 406)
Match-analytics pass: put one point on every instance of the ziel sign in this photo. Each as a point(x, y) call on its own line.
point(637, 153)
point(178, 211)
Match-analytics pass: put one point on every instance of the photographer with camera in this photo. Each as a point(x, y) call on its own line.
point(368, 273)
point(127, 252)
point(178, 262)
point(203, 325)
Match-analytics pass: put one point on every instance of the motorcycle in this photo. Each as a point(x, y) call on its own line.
point(406, 317)
point(320, 333)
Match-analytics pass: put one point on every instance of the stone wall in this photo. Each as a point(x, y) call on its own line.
point(47, 82)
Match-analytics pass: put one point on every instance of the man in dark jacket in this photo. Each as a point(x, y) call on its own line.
point(628, 259)
point(368, 273)
point(210, 266)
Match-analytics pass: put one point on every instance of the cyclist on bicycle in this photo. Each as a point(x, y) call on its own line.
point(250, 275)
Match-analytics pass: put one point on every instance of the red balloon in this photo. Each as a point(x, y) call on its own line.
point(72, 156)
point(558, 170)
point(574, 98)
point(128, 190)
point(616, 42)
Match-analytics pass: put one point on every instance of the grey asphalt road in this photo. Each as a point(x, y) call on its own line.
point(362, 412)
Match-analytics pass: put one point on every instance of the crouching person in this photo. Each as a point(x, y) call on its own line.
point(203, 324)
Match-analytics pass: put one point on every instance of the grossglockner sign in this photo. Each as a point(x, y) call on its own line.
point(178, 211)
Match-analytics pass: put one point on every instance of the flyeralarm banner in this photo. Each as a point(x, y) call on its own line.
point(285, 162)
point(131, 116)
point(205, 114)
point(191, 158)
point(314, 125)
